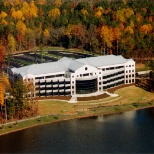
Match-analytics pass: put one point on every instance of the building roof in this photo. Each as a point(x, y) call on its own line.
point(67, 64)
point(103, 60)
point(37, 69)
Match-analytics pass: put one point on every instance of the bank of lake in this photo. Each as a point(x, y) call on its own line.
point(130, 98)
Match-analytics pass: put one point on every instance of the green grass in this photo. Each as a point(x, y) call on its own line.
point(54, 110)
point(28, 123)
point(23, 62)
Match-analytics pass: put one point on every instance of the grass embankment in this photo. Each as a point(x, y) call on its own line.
point(130, 98)
point(140, 67)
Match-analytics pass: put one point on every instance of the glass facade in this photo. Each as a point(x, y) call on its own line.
point(86, 86)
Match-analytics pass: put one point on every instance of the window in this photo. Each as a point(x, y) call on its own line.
point(129, 71)
point(130, 76)
point(86, 68)
point(51, 76)
point(103, 69)
point(100, 78)
point(129, 65)
point(87, 74)
point(99, 83)
point(39, 78)
point(99, 72)
point(72, 76)
point(72, 82)
point(59, 75)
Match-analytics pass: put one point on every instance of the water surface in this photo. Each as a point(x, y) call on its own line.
point(129, 132)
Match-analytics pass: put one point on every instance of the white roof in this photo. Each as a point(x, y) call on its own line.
point(103, 60)
point(67, 64)
point(43, 68)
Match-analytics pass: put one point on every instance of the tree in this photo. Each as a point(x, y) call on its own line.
point(146, 28)
point(33, 11)
point(54, 13)
point(17, 15)
point(11, 43)
point(21, 27)
point(107, 36)
point(19, 93)
point(31, 92)
point(30, 39)
point(4, 86)
point(2, 57)
point(98, 12)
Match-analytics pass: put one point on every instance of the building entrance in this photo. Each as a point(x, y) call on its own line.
point(86, 86)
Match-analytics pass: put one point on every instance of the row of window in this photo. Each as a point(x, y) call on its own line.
point(114, 79)
point(86, 74)
point(49, 76)
point(129, 71)
point(112, 68)
point(113, 85)
point(52, 88)
point(52, 82)
point(129, 65)
point(112, 75)
point(53, 94)
point(130, 81)
point(131, 75)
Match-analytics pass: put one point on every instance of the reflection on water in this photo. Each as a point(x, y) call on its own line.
point(129, 132)
point(151, 112)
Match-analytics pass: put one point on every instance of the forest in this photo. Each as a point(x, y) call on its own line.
point(120, 27)
point(123, 27)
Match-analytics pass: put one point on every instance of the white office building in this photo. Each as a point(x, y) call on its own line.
point(77, 76)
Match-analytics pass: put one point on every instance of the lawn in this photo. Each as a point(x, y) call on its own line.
point(127, 95)
point(135, 94)
point(130, 98)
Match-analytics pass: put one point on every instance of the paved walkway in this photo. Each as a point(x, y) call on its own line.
point(143, 72)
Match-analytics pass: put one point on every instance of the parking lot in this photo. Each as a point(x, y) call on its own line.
point(28, 58)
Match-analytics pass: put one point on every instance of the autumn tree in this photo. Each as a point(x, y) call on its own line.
point(2, 57)
point(4, 87)
point(107, 36)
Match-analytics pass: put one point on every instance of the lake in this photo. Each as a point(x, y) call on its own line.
point(128, 132)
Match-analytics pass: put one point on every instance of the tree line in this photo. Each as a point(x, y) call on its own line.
point(16, 100)
point(104, 26)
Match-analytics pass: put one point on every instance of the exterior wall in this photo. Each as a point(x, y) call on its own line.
point(112, 76)
point(129, 72)
point(84, 73)
point(52, 84)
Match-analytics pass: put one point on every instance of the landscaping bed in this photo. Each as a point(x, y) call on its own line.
point(92, 97)
point(54, 97)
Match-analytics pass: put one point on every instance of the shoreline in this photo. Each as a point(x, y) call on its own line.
point(72, 117)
